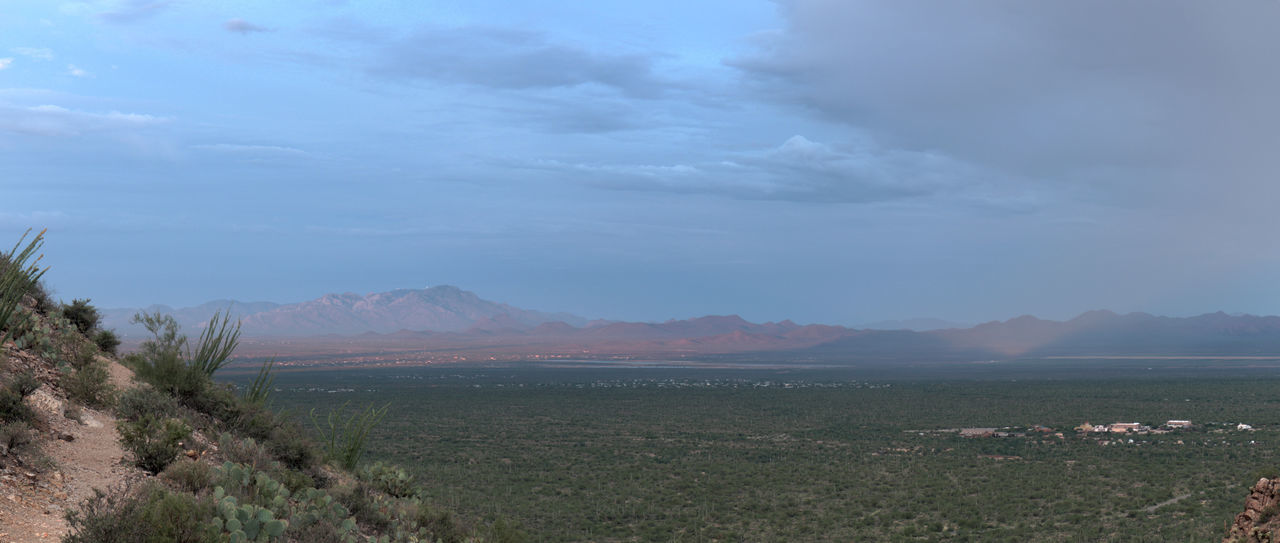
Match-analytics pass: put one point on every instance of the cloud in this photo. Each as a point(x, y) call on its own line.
point(1129, 94)
point(242, 26)
point(5, 62)
point(72, 70)
point(802, 170)
point(510, 59)
point(34, 53)
point(130, 11)
point(52, 121)
point(251, 149)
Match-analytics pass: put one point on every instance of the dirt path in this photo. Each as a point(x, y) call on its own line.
point(87, 455)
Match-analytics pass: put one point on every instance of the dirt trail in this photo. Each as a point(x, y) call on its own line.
point(87, 455)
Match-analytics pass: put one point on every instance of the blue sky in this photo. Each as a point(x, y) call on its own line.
point(824, 161)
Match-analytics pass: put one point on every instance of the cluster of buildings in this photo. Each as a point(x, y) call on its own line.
point(1087, 428)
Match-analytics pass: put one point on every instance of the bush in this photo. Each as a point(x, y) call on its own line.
point(142, 402)
point(154, 442)
point(393, 480)
point(12, 406)
point(244, 451)
point(15, 436)
point(441, 524)
point(107, 341)
point(82, 315)
point(189, 475)
point(149, 514)
point(90, 385)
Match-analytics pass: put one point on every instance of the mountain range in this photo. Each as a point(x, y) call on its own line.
point(446, 317)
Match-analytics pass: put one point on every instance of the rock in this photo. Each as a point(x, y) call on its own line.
point(45, 403)
point(1261, 515)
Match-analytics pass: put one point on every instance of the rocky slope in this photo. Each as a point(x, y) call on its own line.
point(1260, 521)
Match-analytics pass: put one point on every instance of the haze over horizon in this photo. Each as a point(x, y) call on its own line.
point(819, 161)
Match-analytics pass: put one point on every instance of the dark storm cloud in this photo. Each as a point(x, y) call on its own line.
point(1085, 90)
point(511, 59)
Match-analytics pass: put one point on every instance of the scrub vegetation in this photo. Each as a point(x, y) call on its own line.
point(779, 457)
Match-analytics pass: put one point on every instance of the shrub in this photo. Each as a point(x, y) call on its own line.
point(142, 402)
point(392, 480)
point(344, 434)
point(90, 386)
point(14, 436)
point(189, 475)
point(12, 406)
point(153, 442)
point(441, 524)
point(148, 514)
point(81, 315)
point(107, 341)
point(291, 446)
point(244, 451)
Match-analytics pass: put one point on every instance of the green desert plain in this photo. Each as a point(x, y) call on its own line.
point(581, 452)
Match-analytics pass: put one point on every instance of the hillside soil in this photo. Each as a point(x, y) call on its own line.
point(82, 456)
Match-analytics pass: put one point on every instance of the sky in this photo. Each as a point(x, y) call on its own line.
point(833, 161)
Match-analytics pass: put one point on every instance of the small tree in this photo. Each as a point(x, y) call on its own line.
point(84, 316)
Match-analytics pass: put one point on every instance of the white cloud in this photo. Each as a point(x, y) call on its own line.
point(801, 169)
point(251, 149)
point(5, 62)
point(52, 120)
point(77, 72)
point(35, 53)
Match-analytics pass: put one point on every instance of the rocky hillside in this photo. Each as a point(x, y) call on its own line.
point(1260, 521)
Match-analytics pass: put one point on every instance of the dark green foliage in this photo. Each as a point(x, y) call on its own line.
point(505, 531)
point(344, 433)
point(189, 475)
point(90, 386)
point(80, 314)
point(147, 514)
point(107, 341)
point(14, 436)
point(442, 525)
point(154, 442)
point(289, 444)
point(608, 459)
point(143, 402)
point(393, 480)
point(245, 451)
point(24, 384)
point(364, 505)
point(12, 406)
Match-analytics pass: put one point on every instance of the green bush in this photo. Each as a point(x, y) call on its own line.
point(148, 514)
point(90, 385)
point(154, 442)
point(142, 402)
point(12, 406)
point(81, 315)
point(442, 525)
point(107, 341)
point(189, 475)
point(392, 480)
point(15, 436)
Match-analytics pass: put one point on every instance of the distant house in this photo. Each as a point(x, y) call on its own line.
point(977, 432)
point(1086, 427)
point(1125, 427)
point(1243, 426)
point(1178, 424)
